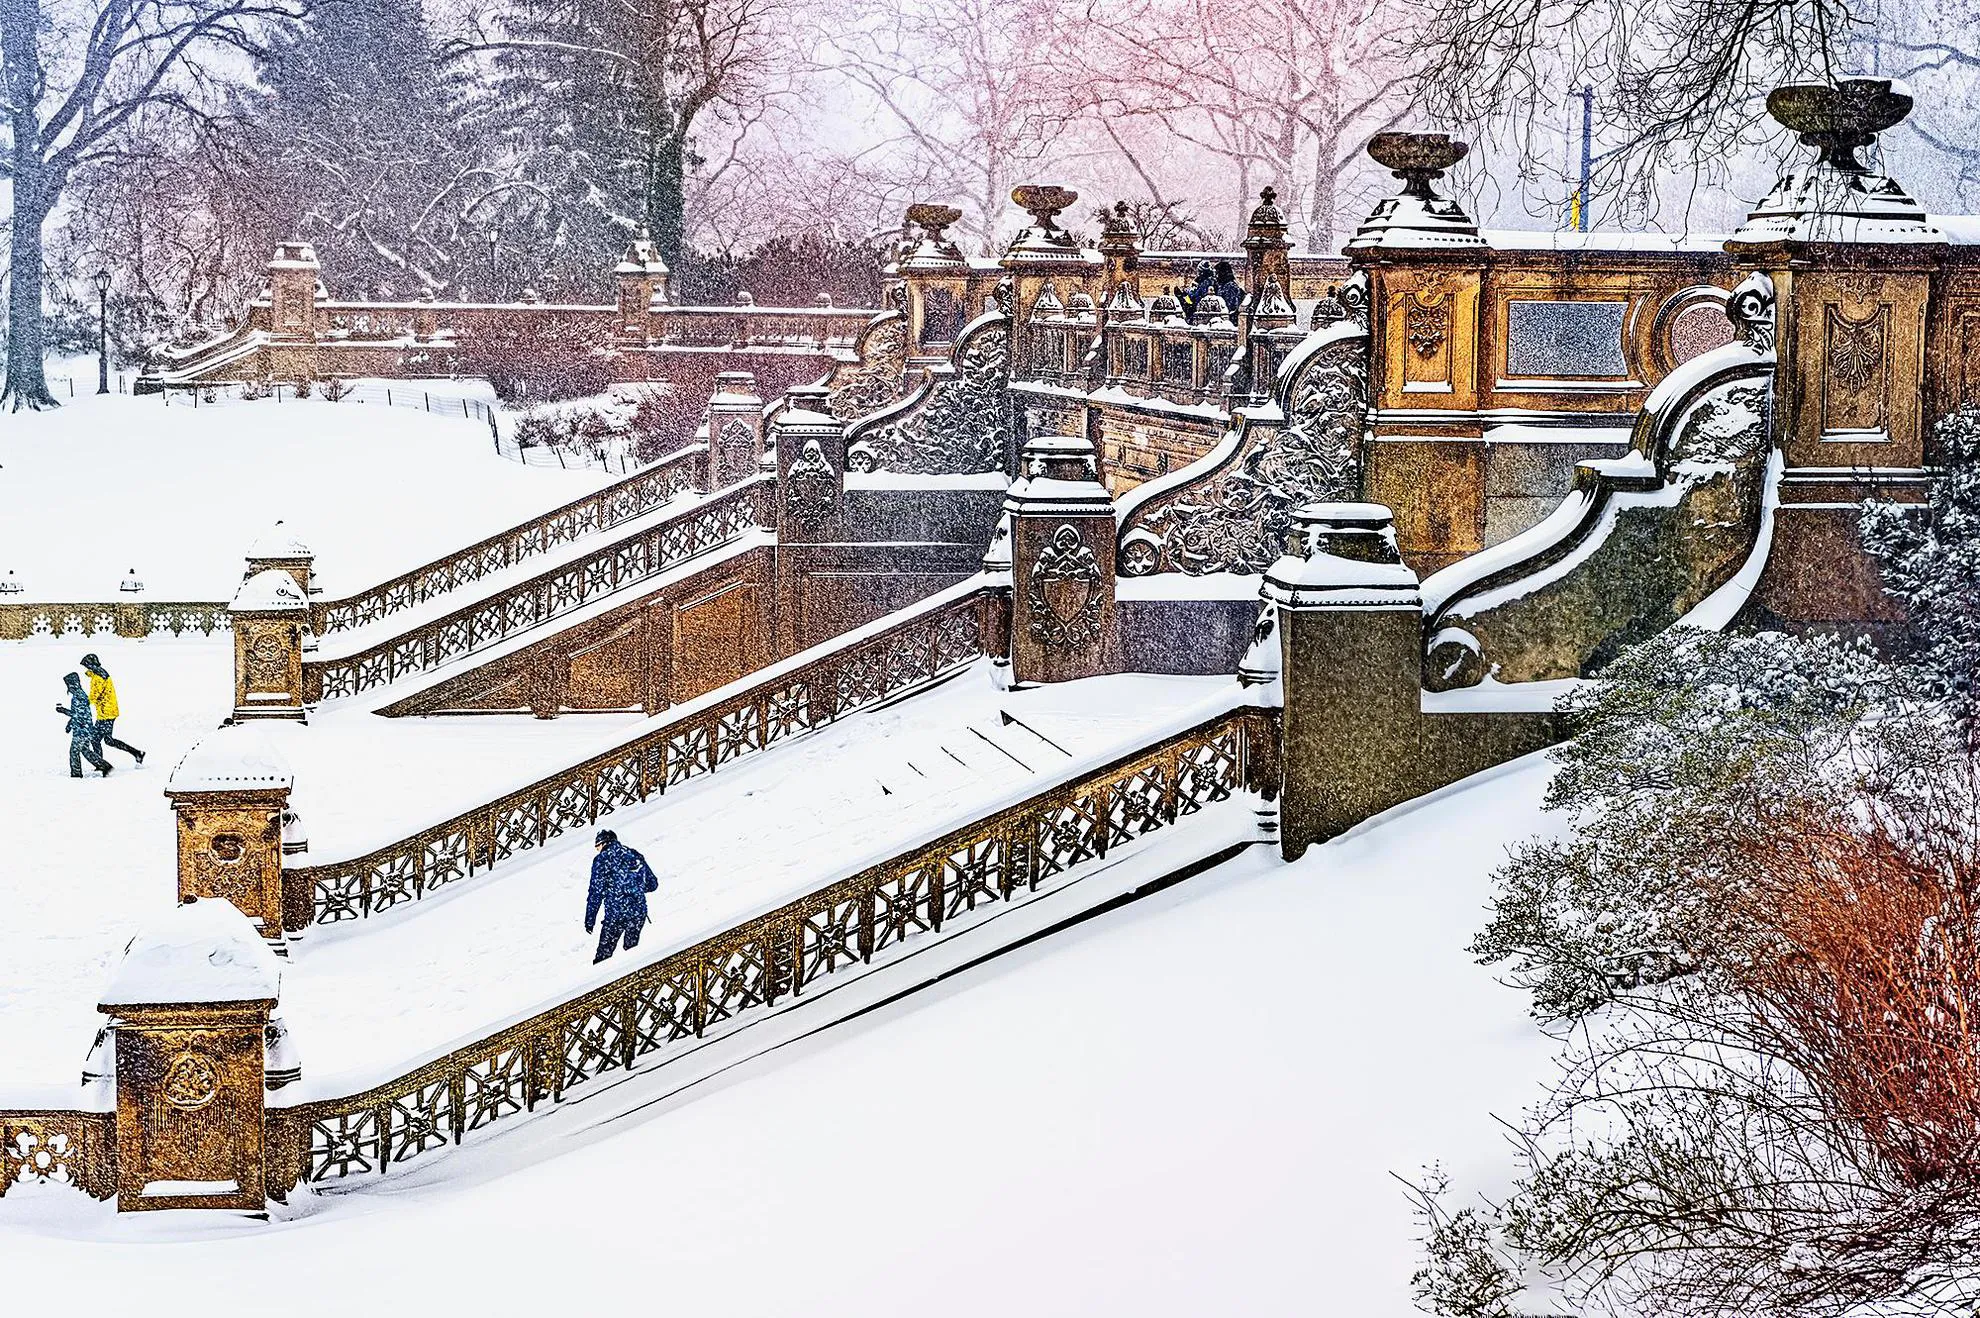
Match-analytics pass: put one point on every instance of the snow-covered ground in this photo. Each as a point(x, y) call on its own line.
point(105, 485)
point(1190, 1106)
point(90, 858)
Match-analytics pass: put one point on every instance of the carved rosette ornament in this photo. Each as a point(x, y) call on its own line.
point(190, 1082)
point(1236, 519)
point(811, 487)
point(1064, 601)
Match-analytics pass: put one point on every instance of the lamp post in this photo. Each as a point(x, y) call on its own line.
point(494, 240)
point(102, 331)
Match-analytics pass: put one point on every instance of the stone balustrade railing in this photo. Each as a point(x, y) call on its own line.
point(806, 691)
point(555, 593)
point(59, 1147)
point(640, 493)
point(134, 618)
point(761, 962)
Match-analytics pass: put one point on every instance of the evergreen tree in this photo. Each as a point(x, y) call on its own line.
point(364, 148)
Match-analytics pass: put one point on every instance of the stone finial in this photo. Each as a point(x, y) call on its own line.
point(1045, 202)
point(1267, 214)
point(1418, 217)
point(1838, 199)
point(933, 220)
point(1118, 229)
point(1043, 241)
point(1840, 118)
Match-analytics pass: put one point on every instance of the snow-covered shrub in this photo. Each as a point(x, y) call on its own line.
point(1929, 558)
point(335, 390)
point(533, 356)
point(598, 431)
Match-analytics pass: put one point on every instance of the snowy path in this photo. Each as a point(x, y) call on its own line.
point(104, 485)
point(766, 829)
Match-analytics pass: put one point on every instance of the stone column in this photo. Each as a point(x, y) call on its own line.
point(935, 283)
point(1062, 565)
point(295, 286)
point(133, 619)
point(810, 444)
point(1425, 265)
point(230, 794)
point(1267, 250)
point(1853, 259)
point(1042, 254)
point(643, 278)
point(269, 616)
point(189, 1007)
point(1350, 624)
point(735, 430)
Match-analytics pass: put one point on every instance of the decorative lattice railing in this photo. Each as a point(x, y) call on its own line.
point(773, 957)
point(638, 494)
point(135, 618)
point(549, 595)
point(787, 699)
point(618, 503)
point(59, 1147)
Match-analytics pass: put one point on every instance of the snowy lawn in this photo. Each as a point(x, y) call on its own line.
point(1191, 1106)
point(104, 485)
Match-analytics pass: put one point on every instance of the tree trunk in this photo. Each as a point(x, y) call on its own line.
point(27, 337)
point(666, 192)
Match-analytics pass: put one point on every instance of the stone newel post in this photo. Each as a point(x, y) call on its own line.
point(1062, 565)
point(189, 1007)
point(811, 461)
point(270, 617)
point(735, 430)
point(230, 794)
point(1350, 624)
point(642, 278)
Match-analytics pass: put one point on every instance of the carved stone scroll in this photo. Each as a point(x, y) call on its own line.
point(958, 422)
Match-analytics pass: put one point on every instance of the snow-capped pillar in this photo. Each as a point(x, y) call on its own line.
point(1425, 264)
point(935, 282)
point(1852, 260)
point(642, 278)
point(810, 444)
point(1043, 255)
point(735, 430)
point(189, 1009)
point(1350, 623)
point(1062, 565)
point(230, 795)
point(1261, 668)
point(281, 549)
point(295, 287)
point(270, 617)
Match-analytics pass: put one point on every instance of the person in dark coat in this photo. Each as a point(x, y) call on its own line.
point(103, 703)
point(1206, 284)
point(1228, 289)
point(620, 880)
point(82, 729)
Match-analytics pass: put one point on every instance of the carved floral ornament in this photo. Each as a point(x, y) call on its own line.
point(811, 487)
point(191, 1082)
point(1428, 322)
point(1856, 348)
point(1064, 596)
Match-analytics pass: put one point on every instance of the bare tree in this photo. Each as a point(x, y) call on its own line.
point(74, 75)
point(966, 105)
point(1285, 92)
point(1675, 86)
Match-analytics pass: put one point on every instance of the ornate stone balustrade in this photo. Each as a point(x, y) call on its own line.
point(549, 595)
point(134, 619)
point(957, 421)
point(643, 491)
point(802, 693)
point(57, 1147)
point(779, 954)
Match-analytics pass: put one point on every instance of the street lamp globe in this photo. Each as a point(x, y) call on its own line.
point(102, 278)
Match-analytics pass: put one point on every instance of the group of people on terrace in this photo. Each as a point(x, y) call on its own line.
point(1219, 281)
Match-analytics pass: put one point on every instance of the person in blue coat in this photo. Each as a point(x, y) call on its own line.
point(82, 730)
point(620, 880)
point(1228, 288)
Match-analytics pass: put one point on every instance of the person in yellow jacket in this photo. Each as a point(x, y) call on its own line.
point(103, 700)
